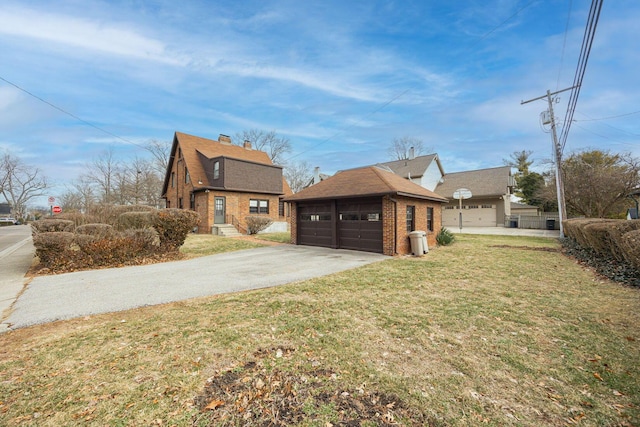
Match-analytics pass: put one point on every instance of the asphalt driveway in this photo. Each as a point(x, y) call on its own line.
point(65, 296)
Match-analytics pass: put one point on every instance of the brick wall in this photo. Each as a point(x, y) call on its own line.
point(420, 222)
point(293, 221)
point(388, 230)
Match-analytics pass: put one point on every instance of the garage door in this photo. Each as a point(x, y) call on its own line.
point(315, 224)
point(360, 225)
point(472, 216)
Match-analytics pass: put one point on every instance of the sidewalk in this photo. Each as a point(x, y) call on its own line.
point(502, 231)
point(15, 261)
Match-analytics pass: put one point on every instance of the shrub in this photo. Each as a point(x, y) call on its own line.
point(78, 218)
point(616, 233)
point(135, 220)
point(54, 248)
point(109, 214)
point(173, 225)
point(99, 231)
point(256, 224)
point(147, 238)
point(629, 245)
point(113, 251)
point(51, 226)
point(444, 237)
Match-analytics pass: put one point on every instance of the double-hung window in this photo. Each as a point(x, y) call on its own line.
point(258, 206)
point(411, 210)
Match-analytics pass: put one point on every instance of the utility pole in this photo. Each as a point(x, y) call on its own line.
point(562, 207)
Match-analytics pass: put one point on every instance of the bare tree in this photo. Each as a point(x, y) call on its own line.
point(400, 148)
point(298, 175)
point(275, 146)
point(79, 196)
point(160, 152)
point(20, 183)
point(597, 183)
point(102, 173)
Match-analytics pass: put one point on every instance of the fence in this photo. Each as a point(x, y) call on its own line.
point(544, 221)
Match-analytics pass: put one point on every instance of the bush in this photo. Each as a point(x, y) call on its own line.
point(147, 238)
point(616, 233)
point(630, 244)
point(78, 218)
point(108, 214)
point(51, 226)
point(113, 251)
point(173, 225)
point(54, 248)
point(256, 224)
point(444, 237)
point(99, 231)
point(135, 220)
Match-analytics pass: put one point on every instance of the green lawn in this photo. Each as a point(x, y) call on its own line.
point(492, 330)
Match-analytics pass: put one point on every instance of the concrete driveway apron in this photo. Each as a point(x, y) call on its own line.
point(65, 296)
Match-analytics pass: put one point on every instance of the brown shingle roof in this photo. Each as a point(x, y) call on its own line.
point(482, 182)
point(194, 148)
point(362, 182)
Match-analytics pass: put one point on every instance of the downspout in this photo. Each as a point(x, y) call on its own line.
point(395, 225)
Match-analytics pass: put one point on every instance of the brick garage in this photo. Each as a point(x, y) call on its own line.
point(369, 209)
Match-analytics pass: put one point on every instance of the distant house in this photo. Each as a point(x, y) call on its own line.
point(223, 182)
point(367, 209)
point(524, 209)
point(491, 191)
point(425, 171)
point(317, 177)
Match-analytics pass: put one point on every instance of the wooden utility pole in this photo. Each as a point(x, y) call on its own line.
point(562, 207)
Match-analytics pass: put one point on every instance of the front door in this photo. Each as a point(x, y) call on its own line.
point(218, 210)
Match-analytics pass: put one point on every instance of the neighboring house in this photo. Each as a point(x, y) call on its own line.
point(223, 182)
point(368, 209)
point(317, 177)
point(425, 171)
point(524, 209)
point(491, 191)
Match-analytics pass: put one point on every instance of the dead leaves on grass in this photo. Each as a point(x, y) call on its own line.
point(257, 393)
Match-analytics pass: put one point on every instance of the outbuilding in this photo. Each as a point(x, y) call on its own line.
point(367, 209)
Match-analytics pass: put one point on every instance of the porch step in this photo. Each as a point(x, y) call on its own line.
point(226, 230)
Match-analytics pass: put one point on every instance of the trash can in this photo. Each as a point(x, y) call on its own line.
point(551, 224)
point(513, 223)
point(418, 243)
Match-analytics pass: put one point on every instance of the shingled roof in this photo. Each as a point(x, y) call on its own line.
point(412, 168)
point(482, 182)
point(364, 182)
point(196, 149)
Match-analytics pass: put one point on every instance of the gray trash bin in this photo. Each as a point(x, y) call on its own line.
point(551, 224)
point(418, 243)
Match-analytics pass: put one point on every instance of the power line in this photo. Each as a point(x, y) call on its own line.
point(587, 41)
point(69, 114)
point(606, 118)
point(564, 43)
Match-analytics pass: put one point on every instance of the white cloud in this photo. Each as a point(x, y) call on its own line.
point(84, 33)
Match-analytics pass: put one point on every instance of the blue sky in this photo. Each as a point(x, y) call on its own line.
point(340, 79)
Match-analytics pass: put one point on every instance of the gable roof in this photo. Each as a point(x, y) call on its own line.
point(363, 182)
point(197, 150)
point(413, 168)
point(481, 182)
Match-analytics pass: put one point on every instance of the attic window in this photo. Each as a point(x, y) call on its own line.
point(216, 170)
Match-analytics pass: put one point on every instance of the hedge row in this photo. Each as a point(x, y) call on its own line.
point(618, 239)
point(63, 245)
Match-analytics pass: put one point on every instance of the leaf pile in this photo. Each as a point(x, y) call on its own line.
point(256, 394)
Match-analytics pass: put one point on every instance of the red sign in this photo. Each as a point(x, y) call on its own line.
point(56, 209)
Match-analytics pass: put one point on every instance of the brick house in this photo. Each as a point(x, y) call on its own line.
point(369, 209)
point(223, 182)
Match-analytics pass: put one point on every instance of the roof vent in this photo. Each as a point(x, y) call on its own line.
point(224, 139)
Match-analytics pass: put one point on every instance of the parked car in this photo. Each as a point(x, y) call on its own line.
point(8, 221)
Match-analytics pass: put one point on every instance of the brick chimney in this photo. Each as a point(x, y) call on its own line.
point(247, 144)
point(224, 139)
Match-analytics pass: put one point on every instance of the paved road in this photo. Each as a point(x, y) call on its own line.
point(65, 296)
point(16, 254)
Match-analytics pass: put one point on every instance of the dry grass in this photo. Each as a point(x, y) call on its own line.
point(197, 245)
point(484, 332)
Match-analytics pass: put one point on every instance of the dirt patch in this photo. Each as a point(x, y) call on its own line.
point(256, 394)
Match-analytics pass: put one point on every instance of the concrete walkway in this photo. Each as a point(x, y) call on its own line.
point(15, 260)
point(502, 231)
point(65, 296)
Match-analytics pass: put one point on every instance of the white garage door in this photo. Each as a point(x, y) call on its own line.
point(472, 216)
